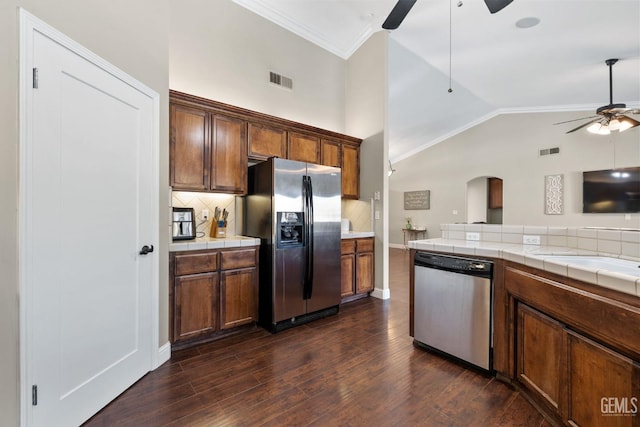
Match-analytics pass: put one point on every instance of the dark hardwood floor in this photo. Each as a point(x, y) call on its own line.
point(357, 368)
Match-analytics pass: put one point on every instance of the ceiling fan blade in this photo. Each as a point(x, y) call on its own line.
point(497, 5)
point(632, 122)
point(575, 120)
point(398, 13)
point(583, 125)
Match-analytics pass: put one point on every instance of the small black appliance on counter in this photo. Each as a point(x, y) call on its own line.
point(184, 224)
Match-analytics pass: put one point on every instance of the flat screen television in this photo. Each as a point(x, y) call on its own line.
point(611, 191)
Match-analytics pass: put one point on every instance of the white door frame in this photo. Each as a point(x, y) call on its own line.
point(28, 25)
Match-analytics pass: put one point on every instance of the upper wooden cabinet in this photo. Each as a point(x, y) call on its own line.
point(495, 193)
point(267, 141)
point(302, 147)
point(212, 143)
point(350, 171)
point(208, 150)
point(330, 153)
point(189, 148)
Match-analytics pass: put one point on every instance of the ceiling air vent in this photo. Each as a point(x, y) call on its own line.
point(280, 80)
point(547, 151)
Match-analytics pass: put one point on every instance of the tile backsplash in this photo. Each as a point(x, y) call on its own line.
point(359, 214)
point(357, 211)
point(200, 201)
point(615, 242)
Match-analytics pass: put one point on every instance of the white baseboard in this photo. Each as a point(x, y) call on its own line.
point(381, 293)
point(164, 354)
point(397, 246)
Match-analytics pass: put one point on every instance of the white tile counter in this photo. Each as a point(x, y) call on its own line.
point(213, 243)
point(357, 234)
point(608, 275)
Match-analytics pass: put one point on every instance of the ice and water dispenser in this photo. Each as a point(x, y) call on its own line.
point(290, 229)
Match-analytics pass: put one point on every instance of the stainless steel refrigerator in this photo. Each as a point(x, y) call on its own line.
point(294, 208)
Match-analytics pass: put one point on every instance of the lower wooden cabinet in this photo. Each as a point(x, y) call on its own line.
point(357, 268)
point(575, 346)
point(214, 292)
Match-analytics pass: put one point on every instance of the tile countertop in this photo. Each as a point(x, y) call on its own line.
point(539, 257)
point(213, 243)
point(357, 234)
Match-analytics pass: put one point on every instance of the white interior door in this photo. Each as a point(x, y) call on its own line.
point(89, 203)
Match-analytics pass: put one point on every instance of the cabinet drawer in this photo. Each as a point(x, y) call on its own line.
point(196, 263)
point(237, 258)
point(365, 245)
point(347, 246)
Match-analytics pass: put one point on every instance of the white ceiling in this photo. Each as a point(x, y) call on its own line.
point(557, 65)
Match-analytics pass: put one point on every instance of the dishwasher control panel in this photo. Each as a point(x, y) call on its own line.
point(453, 263)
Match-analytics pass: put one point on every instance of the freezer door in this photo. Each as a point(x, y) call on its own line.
point(326, 185)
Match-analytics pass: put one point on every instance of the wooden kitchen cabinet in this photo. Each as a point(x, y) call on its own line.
point(229, 161)
point(208, 150)
point(495, 193)
point(189, 166)
point(331, 153)
point(267, 141)
point(303, 147)
point(350, 171)
point(574, 346)
point(212, 143)
point(238, 287)
point(214, 293)
point(540, 355)
point(357, 268)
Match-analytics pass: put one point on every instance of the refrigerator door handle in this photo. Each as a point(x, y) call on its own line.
point(310, 246)
point(307, 237)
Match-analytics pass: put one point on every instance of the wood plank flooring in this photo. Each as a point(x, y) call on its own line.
point(357, 368)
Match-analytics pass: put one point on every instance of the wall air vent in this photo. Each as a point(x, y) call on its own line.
point(280, 80)
point(547, 151)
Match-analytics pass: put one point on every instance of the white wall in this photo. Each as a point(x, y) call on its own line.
point(224, 52)
point(507, 146)
point(477, 200)
point(134, 37)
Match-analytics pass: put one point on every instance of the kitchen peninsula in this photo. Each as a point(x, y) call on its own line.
point(566, 314)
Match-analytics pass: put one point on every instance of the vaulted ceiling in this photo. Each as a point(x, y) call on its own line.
point(495, 66)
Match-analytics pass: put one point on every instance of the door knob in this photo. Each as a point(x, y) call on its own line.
point(146, 249)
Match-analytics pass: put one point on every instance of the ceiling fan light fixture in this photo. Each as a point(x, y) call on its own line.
point(627, 123)
point(599, 128)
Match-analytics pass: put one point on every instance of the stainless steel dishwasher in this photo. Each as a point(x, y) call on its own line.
point(453, 304)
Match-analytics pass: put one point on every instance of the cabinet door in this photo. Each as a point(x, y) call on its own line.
point(602, 385)
point(195, 305)
point(266, 141)
point(364, 272)
point(305, 148)
point(350, 172)
point(189, 160)
point(347, 271)
point(229, 155)
point(330, 153)
point(539, 355)
point(239, 297)
point(495, 193)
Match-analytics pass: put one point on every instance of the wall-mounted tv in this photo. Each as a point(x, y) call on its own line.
point(611, 191)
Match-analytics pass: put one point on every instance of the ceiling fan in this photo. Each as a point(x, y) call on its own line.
point(402, 8)
point(608, 117)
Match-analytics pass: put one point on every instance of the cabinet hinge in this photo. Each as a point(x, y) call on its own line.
point(35, 78)
point(34, 395)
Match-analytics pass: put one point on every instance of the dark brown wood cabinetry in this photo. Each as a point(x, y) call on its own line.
point(267, 141)
point(495, 193)
point(357, 264)
point(212, 143)
point(574, 347)
point(213, 293)
point(208, 150)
